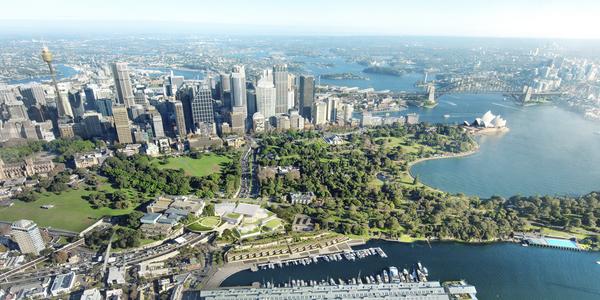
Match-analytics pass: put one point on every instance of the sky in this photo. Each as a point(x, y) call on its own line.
point(487, 18)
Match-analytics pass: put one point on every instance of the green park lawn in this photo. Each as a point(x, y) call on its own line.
point(211, 222)
point(70, 212)
point(206, 165)
point(407, 147)
point(273, 224)
point(205, 224)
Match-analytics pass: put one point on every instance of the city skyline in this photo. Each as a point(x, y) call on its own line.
point(539, 19)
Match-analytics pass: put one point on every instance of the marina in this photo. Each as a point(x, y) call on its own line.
point(348, 255)
point(449, 261)
point(391, 282)
point(418, 273)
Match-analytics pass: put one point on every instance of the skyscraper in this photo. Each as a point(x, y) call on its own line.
point(291, 92)
point(332, 107)
point(251, 101)
point(122, 127)
point(90, 91)
point(157, 125)
point(123, 84)
point(139, 95)
point(280, 79)
point(319, 113)
point(238, 86)
point(76, 100)
point(225, 90)
point(202, 107)
point(306, 95)
point(93, 124)
point(266, 95)
point(33, 95)
point(177, 111)
point(28, 236)
point(173, 83)
point(104, 106)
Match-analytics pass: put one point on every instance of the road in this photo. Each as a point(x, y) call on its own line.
point(67, 247)
point(248, 182)
point(131, 258)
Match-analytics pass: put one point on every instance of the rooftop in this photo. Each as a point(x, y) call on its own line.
point(63, 281)
point(247, 209)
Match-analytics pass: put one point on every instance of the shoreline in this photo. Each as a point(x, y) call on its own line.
point(442, 156)
point(228, 270)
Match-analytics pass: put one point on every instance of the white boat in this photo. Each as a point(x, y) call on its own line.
point(598, 262)
point(446, 116)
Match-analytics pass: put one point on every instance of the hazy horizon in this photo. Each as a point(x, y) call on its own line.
point(462, 18)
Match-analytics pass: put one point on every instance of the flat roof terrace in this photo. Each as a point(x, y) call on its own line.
point(553, 243)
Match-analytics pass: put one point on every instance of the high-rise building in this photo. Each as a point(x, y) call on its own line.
point(202, 107)
point(173, 83)
point(280, 79)
point(7, 95)
point(77, 100)
point(121, 120)
point(258, 122)
point(291, 92)
point(139, 96)
point(251, 104)
point(225, 90)
point(266, 95)
point(319, 116)
point(123, 84)
point(93, 124)
point(33, 95)
point(296, 120)
point(306, 95)
point(238, 119)
point(283, 122)
point(16, 110)
point(238, 86)
point(157, 126)
point(28, 236)
point(344, 112)
point(104, 106)
point(332, 106)
point(177, 111)
point(91, 91)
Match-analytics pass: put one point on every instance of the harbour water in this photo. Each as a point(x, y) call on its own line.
point(62, 71)
point(499, 271)
point(548, 150)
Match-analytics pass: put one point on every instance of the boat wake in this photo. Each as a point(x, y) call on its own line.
point(451, 103)
point(506, 106)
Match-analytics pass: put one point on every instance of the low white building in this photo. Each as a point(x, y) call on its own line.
point(62, 284)
point(91, 294)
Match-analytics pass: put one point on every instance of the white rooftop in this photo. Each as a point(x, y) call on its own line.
point(247, 209)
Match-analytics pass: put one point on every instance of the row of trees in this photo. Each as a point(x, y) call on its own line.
point(137, 172)
point(63, 148)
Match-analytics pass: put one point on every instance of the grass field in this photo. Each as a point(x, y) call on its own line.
point(407, 147)
point(206, 165)
point(205, 224)
point(273, 224)
point(211, 222)
point(70, 212)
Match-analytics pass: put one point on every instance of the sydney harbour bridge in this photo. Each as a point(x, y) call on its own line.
point(515, 89)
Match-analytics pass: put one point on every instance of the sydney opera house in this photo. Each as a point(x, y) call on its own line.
point(488, 120)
